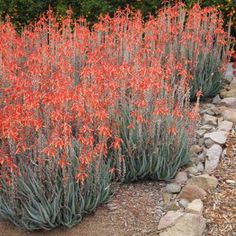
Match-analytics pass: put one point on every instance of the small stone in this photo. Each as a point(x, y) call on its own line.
point(188, 224)
point(173, 188)
point(200, 167)
point(209, 120)
point(169, 219)
point(225, 125)
point(218, 136)
point(195, 149)
point(173, 206)
point(224, 154)
point(181, 177)
point(216, 99)
point(195, 159)
point(196, 206)
point(183, 202)
point(192, 170)
point(231, 182)
point(207, 111)
point(204, 181)
point(229, 102)
point(200, 132)
point(166, 197)
point(213, 156)
point(207, 127)
point(201, 141)
point(202, 156)
point(112, 207)
point(208, 142)
point(211, 110)
point(191, 192)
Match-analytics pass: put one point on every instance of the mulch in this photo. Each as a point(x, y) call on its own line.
point(220, 206)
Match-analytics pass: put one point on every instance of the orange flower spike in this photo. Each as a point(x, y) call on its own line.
point(172, 130)
point(117, 143)
point(104, 131)
point(199, 93)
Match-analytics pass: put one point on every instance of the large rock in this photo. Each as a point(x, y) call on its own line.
point(169, 219)
point(229, 102)
point(225, 125)
point(217, 136)
point(205, 181)
point(230, 115)
point(196, 206)
point(213, 156)
point(209, 120)
point(191, 192)
point(186, 225)
point(228, 94)
point(181, 177)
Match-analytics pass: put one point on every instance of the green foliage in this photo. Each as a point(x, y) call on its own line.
point(147, 156)
point(45, 197)
point(208, 76)
point(25, 11)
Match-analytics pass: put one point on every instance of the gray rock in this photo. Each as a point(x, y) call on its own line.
point(188, 224)
point(207, 111)
point(204, 181)
point(213, 156)
point(208, 127)
point(216, 99)
point(209, 120)
point(200, 132)
point(202, 156)
point(211, 110)
point(201, 141)
point(196, 206)
point(225, 125)
point(217, 136)
point(200, 167)
point(173, 188)
point(183, 202)
point(208, 142)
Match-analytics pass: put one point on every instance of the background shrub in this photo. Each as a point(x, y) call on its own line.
point(24, 11)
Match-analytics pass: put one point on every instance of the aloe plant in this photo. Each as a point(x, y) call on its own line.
point(52, 198)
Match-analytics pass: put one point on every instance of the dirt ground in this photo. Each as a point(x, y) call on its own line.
point(134, 210)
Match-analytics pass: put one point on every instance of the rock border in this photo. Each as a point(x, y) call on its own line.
point(182, 198)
